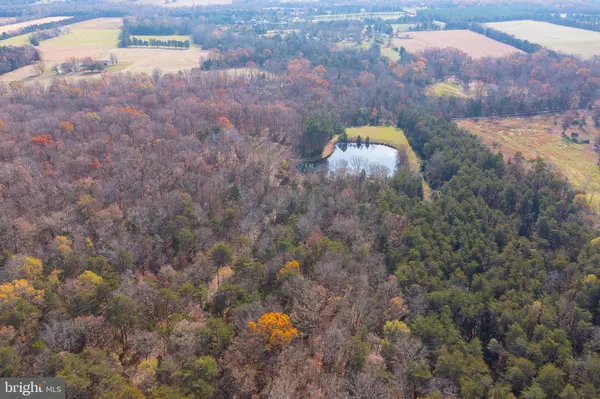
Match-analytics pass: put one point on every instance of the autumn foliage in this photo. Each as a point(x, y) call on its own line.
point(43, 140)
point(11, 292)
point(274, 328)
point(131, 111)
point(291, 269)
point(224, 123)
point(66, 126)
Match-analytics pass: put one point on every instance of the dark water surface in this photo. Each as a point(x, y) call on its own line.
point(355, 159)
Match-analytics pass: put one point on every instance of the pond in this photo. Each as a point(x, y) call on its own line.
point(355, 158)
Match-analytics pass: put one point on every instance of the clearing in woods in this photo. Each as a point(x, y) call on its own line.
point(447, 89)
point(20, 25)
point(474, 44)
point(580, 42)
point(390, 53)
point(538, 136)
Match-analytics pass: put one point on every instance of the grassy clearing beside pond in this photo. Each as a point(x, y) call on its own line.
point(388, 135)
point(391, 136)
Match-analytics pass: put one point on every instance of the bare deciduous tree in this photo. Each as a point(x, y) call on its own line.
point(114, 58)
point(39, 67)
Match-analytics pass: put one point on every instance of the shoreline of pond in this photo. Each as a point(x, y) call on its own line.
point(329, 148)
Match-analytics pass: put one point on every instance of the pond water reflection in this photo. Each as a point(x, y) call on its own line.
point(356, 158)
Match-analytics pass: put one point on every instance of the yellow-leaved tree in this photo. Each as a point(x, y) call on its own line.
point(291, 269)
point(33, 267)
point(20, 289)
point(274, 328)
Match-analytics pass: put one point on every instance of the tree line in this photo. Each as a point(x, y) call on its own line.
point(46, 34)
point(152, 42)
point(15, 57)
point(505, 38)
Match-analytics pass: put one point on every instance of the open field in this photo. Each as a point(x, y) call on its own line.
point(580, 42)
point(94, 38)
point(474, 44)
point(20, 25)
point(146, 59)
point(538, 137)
point(20, 40)
point(97, 38)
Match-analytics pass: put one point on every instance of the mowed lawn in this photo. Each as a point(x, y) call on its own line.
point(580, 42)
point(474, 44)
point(539, 137)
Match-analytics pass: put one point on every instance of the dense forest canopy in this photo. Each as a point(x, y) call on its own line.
point(158, 241)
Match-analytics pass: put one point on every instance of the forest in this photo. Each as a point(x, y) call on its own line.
point(157, 239)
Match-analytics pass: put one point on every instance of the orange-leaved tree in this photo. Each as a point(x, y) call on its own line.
point(274, 328)
point(224, 123)
point(66, 127)
point(43, 140)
